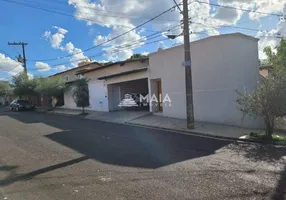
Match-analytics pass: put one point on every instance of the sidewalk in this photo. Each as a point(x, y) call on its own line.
point(114, 117)
point(120, 117)
point(146, 119)
point(200, 127)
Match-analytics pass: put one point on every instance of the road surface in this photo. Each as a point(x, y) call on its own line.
point(59, 157)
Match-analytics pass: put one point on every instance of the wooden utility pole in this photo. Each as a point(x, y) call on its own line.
point(188, 69)
point(24, 55)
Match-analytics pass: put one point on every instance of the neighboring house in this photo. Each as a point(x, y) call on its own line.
point(220, 65)
point(109, 83)
point(265, 70)
point(70, 76)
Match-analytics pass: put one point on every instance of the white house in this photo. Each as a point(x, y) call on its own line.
point(220, 65)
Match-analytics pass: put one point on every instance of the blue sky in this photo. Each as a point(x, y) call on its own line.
point(90, 23)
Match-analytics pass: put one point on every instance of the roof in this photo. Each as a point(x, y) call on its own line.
point(123, 73)
point(265, 67)
point(79, 68)
point(210, 38)
point(112, 64)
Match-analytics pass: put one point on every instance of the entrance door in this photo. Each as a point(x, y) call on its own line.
point(159, 89)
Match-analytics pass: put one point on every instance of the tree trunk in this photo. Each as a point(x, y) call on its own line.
point(83, 110)
point(269, 128)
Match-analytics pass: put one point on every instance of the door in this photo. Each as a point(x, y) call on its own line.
point(159, 95)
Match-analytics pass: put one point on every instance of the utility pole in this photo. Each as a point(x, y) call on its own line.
point(24, 55)
point(188, 69)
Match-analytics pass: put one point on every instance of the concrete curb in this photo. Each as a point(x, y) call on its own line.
point(196, 133)
point(55, 113)
point(180, 131)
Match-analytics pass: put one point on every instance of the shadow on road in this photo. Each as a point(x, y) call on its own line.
point(266, 153)
point(280, 190)
point(14, 178)
point(123, 145)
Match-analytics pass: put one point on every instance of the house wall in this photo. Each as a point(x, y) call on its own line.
point(101, 93)
point(220, 66)
point(115, 69)
point(129, 77)
point(72, 73)
point(68, 99)
point(98, 96)
point(264, 72)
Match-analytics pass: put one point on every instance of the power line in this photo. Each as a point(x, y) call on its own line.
point(120, 35)
point(227, 26)
point(119, 15)
point(115, 51)
point(177, 6)
point(150, 37)
point(39, 6)
point(245, 10)
point(66, 14)
point(7, 55)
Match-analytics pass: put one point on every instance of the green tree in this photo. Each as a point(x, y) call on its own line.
point(5, 88)
point(23, 85)
point(51, 87)
point(277, 60)
point(269, 99)
point(136, 57)
point(81, 93)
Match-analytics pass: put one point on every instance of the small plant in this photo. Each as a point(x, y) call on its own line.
point(262, 137)
point(81, 93)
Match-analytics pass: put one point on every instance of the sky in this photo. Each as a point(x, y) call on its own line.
point(62, 33)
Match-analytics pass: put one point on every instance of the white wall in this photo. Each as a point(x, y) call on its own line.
point(220, 66)
point(69, 101)
point(98, 96)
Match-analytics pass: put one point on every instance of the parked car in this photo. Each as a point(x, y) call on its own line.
point(19, 104)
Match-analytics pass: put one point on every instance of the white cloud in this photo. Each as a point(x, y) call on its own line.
point(4, 79)
point(127, 38)
point(162, 45)
point(57, 38)
point(270, 38)
point(264, 6)
point(47, 34)
point(61, 68)
point(42, 67)
point(77, 54)
point(56, 41)
point(101, 61)
point(226, 15)
point(10, 66)
point(207, 18)
point(145, 53)
point(117, 54)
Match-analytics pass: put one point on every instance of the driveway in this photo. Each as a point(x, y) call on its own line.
point(60, 157)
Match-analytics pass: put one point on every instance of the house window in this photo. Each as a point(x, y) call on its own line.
point(67, 78)
point(79, 76)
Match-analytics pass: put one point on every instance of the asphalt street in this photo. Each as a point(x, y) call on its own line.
point(44, 156)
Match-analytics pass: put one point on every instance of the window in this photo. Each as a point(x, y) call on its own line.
point(79, 76)
point(67, 78)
